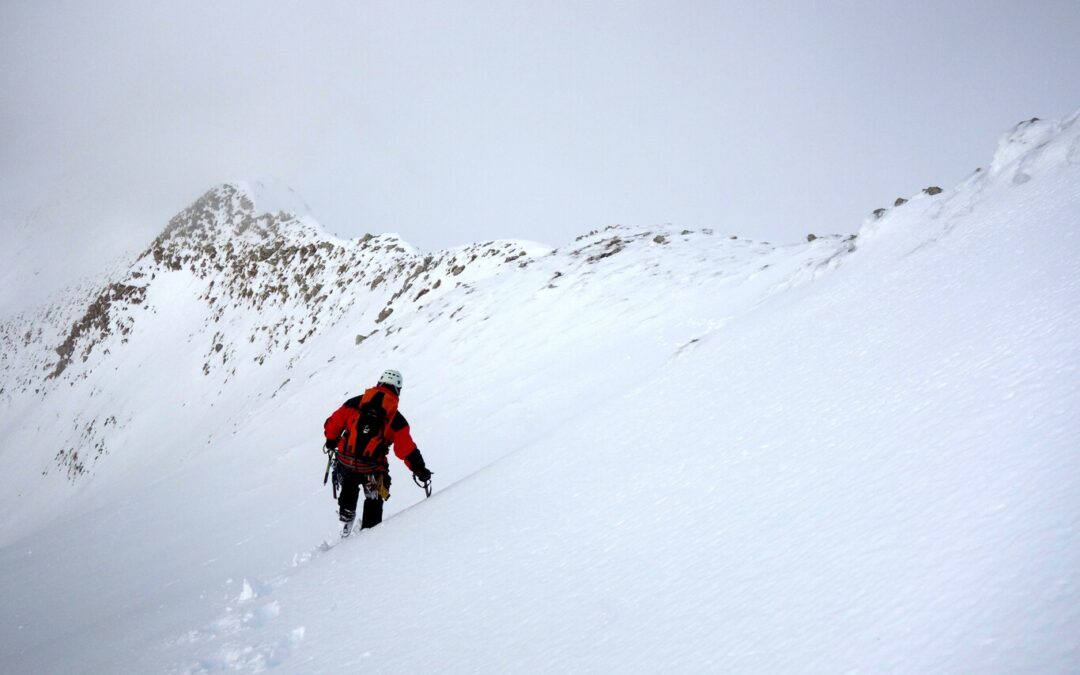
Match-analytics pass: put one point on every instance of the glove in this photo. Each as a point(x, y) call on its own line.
point(331, 444)
point(423, 474)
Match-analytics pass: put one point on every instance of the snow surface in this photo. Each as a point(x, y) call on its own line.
point(654, 450)
point(272, 195)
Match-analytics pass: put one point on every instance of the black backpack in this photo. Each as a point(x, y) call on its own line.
point(372, 423)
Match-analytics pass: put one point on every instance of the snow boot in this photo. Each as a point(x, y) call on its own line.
point(347, 517)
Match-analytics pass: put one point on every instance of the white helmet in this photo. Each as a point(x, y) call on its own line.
point(392, 378)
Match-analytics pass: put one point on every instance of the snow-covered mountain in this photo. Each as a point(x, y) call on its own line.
point(226, 297)
point(654, 448)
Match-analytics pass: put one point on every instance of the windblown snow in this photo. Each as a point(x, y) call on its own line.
point(655, 450)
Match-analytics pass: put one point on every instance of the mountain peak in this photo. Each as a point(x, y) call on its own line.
point(271, 195)
point(236, 215)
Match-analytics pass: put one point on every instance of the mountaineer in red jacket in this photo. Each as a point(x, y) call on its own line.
point(362, 431)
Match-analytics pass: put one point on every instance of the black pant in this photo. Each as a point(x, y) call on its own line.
point(352, 482)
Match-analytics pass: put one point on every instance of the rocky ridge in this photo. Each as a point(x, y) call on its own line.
point(266, 282)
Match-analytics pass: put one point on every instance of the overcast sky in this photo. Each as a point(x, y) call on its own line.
point(453, 122)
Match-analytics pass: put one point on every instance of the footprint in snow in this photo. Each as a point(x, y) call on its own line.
point(250, 658)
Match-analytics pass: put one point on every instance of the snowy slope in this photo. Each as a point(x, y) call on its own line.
point(653, 449)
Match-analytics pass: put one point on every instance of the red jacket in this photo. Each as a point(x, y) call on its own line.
point(342, 426)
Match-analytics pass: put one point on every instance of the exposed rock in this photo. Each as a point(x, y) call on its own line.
point(613, 246)
point(932, 190)
point(97, 324)
point(900, 201)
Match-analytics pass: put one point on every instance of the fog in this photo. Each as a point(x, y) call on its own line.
point(454, 122)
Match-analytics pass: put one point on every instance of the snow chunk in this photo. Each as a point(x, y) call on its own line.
point(247, 593)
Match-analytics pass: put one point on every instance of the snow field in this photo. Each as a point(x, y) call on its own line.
point(702, 455)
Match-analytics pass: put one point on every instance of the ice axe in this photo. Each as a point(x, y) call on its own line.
point(423, 484)
point(330, 456)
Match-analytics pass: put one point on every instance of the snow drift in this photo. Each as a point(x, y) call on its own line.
point(653, 448)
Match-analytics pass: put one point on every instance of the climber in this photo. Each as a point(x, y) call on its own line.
point(361, 432)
